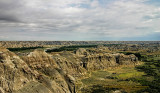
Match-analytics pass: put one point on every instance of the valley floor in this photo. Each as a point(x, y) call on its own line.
point(111, 80)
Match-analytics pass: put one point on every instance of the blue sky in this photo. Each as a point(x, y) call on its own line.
point(80, 20)
point(153, 2)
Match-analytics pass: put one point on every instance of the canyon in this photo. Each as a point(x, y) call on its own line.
point(55, 72)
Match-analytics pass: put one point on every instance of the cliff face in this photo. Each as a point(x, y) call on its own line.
point(96, 60)
point(40, 72)
point(103, 61)
point(99, 61)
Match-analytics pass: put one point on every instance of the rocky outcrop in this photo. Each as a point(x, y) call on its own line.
point(51, 75)
point(69, 63)
point(37, 73)
point(122, 59)
point(103, 61)
point(40, 72)
point(99, 61)
point(14, 72)
point(81, 52)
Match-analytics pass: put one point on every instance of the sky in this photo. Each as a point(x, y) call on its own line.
point(79, 20)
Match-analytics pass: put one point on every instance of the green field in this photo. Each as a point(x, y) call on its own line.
point(111, 80)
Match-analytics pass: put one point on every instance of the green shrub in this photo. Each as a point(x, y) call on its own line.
point(23, 48)
point(70, 48)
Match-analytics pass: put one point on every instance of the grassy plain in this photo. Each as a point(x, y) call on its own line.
point(107, 81)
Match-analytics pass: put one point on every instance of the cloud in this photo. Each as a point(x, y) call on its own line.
point(78, 19)
point(8, 18)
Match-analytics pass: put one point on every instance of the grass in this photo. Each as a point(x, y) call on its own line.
point(151, 69)
point(127, 72)
point(141, 79)
point(124, 76)
point(100, 74)
point(113, 79)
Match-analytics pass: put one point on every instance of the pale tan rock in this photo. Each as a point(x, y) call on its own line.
point(44, 73)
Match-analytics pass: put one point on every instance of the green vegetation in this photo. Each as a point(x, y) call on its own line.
point(112, 80)
point(151, 68)
point(109, 45)
point(24, 49)
point(125, 76)
point(71, 48)
point(139, 79)
point(142, 78)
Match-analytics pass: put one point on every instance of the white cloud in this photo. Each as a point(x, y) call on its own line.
point(157, 31)
point(119, 18)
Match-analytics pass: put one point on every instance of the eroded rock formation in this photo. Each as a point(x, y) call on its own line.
point(14, 72)
point(40, 72)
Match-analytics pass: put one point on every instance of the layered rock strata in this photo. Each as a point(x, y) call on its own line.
point(40, 72)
